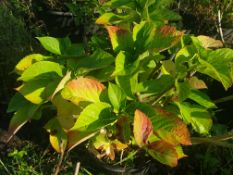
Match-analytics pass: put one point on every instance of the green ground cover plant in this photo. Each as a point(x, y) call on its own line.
point(144, 91)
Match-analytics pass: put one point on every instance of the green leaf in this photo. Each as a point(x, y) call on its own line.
point(16, 103)
point(22, 116)
point(55, 45)
point(142, 128)
point(197, 116)
point(116, 96)
point(169, 67)
point(104, 74)
point(82, 89)
point(38, 91)
point(112, 18)
point(121, 39)
point(27, 61)
point(42, 70)
point(99, 59)
point(94, 117)
point(74, 50)
point(147, 109)
point(120, 3)
point(143, 35)
point(128, 84)
point(156, 87)
point(183, 90)
point(57, 137)
point(218, 65)
point(201, 98)
point(160, 16)
point(67, 112)
point(124, 64)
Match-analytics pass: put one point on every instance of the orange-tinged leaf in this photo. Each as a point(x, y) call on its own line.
point(119, 145)
point(82, 89)
point(166, 37)
point(170, 128)
point(121, 39)
point(142, 128)
point(196, 83)
point(164, 153)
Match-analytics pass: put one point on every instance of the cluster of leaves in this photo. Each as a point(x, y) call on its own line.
point(143, 92)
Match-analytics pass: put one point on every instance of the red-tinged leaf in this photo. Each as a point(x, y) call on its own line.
point(164, 152)
point(196, 83)
point(121, 39)
point(170, 128)
point(166, 37)
point(82, 89)
point(142, 128)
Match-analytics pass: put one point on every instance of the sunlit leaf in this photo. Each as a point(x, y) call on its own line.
point(111, 18)
point(38, 91)
point(197, 116)
point(27, 61)
point(91, 119)
point(83, 89)
point(116, 96)
point(128, 84)
point(201, 98)
point(42, 70)
point(124, 64)
point(142, 128)
point(208, 42)
point(183, 90)
point(121, 39)
point(54, 45)
point(218, 65)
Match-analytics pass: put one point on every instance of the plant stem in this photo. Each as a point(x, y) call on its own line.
point(77, 168)
point(5, 168)
point(220, 26)
point(217, 140)
point(224, 99)
point(58, 166)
